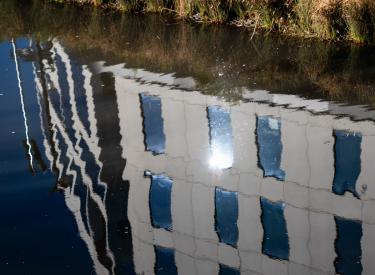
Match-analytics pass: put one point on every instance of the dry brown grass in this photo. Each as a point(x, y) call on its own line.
point(327, 19)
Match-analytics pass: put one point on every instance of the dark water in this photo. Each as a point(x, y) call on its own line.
point(141, 145)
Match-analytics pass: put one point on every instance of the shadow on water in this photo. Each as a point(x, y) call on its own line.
point(148, 146)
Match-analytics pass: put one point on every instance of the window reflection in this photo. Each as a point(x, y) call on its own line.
point(269, 146)
point(153, 123)
point(220, 137)
point(165, 263)
point(226, 270)
point(348, 246)
point(347, 162)
point(275, 238)
point(226, 216)
point(160, 201)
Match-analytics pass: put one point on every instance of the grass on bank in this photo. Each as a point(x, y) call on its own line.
point(327, 19)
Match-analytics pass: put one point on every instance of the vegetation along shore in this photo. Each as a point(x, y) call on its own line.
point(221, 59)
point(352, 20)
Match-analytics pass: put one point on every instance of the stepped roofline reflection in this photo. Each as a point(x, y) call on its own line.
point(75, 153)
point(89, 157)
point(315, 106)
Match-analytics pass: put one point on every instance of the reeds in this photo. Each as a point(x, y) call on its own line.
point(327, 19)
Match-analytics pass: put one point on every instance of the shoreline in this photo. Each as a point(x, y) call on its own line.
point(220, 58)
point(331, 20)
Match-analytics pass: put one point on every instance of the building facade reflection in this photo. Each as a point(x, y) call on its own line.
point(290, 193)
point(286, 219)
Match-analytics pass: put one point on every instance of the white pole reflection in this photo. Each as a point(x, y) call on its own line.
point(22, 105)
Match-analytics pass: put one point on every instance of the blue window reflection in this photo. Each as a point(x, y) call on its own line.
point(269, 146)
point(226, 216)
point(347, 162)
point(160, 201)
point(221, 139)
point(153, 123)
point(348, 246)
point(275, 238)
point(165, 263)
point(226, 270)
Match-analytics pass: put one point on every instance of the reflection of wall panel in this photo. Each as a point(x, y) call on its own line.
point(320, 156)
point(249, 225)
point(182, 207)
point(294, 156)
point(322, 240)
point(298, 229)
point(366, 181)
point(143, 256)
point(130, 120)
point(204, 212)
point(368, 249)
point(174, 127)
point(244, 147)
point(197, 132)
point(206, 267)
point(185, 264)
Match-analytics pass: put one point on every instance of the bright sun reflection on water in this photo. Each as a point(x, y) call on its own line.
point(220, 137)
point(220, 161)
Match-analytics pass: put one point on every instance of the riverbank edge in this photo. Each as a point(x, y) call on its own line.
point(332, 20)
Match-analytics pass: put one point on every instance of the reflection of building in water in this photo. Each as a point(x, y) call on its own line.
point(81, 129)
point(214, 188)
point(288, 222)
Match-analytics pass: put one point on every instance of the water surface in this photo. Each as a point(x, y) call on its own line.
point(142, 145)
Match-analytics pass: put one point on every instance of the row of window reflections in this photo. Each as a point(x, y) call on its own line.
point(275, 243)
point(347, 149)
